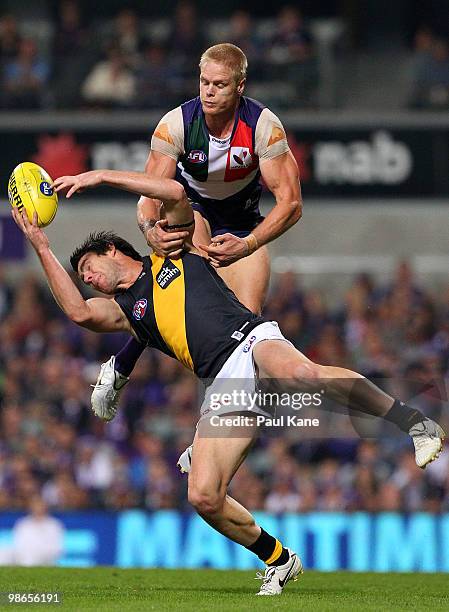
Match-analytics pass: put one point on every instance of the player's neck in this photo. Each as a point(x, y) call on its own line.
point(221, 125)
point(130, 272)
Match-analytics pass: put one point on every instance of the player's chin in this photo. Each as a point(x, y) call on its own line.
point(211, 109)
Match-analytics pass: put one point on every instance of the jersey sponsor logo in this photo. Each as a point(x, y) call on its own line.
point(249, 344)
point(167, 274)
point(140, 308)
point(197, 157)
point(240, 158)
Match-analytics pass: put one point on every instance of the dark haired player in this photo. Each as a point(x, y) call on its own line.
point(183, 308)
point(217, 146)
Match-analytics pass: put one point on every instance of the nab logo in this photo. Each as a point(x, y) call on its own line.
point(197, 157)
point(167, 274)
point(46, 188)
point(139, 309)
point(240, 158)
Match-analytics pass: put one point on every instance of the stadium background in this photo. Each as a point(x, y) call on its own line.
point(363, 90)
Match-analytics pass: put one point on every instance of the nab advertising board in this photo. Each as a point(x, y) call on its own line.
point(384, 542)
point(361, 162)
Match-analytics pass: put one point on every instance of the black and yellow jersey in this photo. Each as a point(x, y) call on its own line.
point(183, 308)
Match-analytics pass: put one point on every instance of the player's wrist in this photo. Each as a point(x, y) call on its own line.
point(145, 225)
point(252, 243)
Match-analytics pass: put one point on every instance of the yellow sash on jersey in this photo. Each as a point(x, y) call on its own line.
point(169, 310)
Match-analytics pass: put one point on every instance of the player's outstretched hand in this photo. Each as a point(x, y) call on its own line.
point(165, 244)
point(32, 231)
point(225, 249)
point(79, 182)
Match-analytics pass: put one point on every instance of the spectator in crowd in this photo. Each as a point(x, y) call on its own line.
point(72, 54)
point(156, 79)
point(127, 36)
point(185, 44)
point(25, 78)
point(9, 38)
point(290, 55)
point(38, 538)
point(111, 84)
point(430, 86)
point(242, 32)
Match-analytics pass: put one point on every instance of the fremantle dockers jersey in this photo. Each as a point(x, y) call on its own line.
point(221, 176)
point(184, 309)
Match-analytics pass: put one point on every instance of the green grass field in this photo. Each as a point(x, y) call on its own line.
point(184, 590)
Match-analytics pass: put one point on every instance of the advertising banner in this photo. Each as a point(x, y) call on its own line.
point(384, 542)
point(364, 162)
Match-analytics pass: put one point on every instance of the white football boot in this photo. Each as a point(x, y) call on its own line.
point(276, 577)
point(428, 439)
point(107, 390)
point(185, 461)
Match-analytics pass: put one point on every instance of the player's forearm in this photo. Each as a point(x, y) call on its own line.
point(148, 213)
point(62, 287)
point(283, 216)
point(163, 189)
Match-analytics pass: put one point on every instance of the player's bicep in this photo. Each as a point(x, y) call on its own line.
point(105, 315)
point(160, 165)
point(281, 176)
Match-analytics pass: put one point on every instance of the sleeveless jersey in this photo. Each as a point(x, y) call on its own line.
point(221, 176)
point(184, 309)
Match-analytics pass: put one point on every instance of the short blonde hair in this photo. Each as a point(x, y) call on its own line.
point(230, 55)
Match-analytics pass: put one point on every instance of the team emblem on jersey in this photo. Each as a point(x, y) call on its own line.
point(249, 344)
point(240, 158)
point(197, 157)
point(167, 274)
point(140, 308)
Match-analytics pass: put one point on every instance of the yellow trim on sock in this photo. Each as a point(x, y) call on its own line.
point(276, 553)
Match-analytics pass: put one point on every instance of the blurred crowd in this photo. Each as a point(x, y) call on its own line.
point(73, 59)
point(130, 62)
point(52, 445)
point(430, 70)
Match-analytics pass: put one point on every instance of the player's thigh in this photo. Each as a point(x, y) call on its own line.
point(248, 278)
point(277, 359)
point(215, 460)
point(202, 234)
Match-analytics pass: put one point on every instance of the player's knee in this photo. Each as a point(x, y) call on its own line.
point(306, 373)
point(205, 502)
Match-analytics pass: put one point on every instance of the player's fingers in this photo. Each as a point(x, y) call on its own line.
point(210, 250)
point(25, 220)
point(17, 217)
point(72, 190)
point(167, 237)
point(63, 182)
point(161, 223)
point(35, 224)
point(171, 244)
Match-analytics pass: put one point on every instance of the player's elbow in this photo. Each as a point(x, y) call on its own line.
point(80, 316)
point(296, 206)
point(177, 193)
point(293, 208)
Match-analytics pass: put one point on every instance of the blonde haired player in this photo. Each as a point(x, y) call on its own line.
point(217, 146)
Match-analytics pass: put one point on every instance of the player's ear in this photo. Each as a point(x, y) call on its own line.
point(241, 86)
point(111, 249)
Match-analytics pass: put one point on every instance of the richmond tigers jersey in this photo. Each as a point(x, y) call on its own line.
point(222, 175)
point(184, 309)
